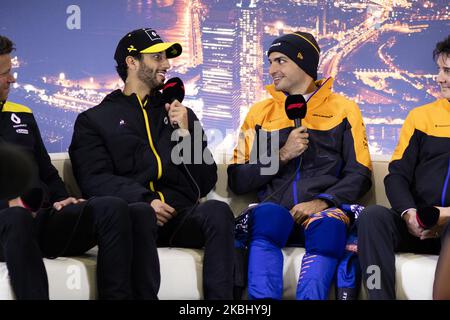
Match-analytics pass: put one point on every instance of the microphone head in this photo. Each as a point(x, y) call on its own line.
point(295, 106)
point(33, 198)
point(427, 217)
point(173, 90)
point(16, 172)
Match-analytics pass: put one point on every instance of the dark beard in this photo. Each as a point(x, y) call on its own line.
point(148, 76)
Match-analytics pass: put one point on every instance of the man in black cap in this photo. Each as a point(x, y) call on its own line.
point(322, 165)
point(45, 222)
point(123, 147)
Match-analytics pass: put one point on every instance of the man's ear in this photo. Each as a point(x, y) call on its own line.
point(132, 63)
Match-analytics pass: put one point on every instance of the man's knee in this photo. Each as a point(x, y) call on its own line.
point(142, 214)
point(109, 208)
point(271, 222)
point(372, 216)
point(107, 202)
point(17, 218)
point(219, 206)
point(17, 225)
point(218, 214)
point(326, 236)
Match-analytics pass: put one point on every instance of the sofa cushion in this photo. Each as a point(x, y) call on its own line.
point(415, 276)
point(74, 278)
point(181, 275)
point(69, 278)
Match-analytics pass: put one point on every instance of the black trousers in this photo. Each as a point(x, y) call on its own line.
point(381, 233)
point(209, 225)
point(127, 262)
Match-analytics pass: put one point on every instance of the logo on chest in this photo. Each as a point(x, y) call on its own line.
point(328, 116)
point(22, 131)
point(15, 119)
point(19, 126)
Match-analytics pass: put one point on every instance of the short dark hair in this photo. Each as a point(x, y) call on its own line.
point(6, 45)
point(442, 47)
point(122, 68)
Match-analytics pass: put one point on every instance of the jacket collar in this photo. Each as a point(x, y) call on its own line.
point(444, 103)
point(323, 91)
point(152, 100)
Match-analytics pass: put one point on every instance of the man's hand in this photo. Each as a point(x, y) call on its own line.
point(444, 214)
point(61, 204)
point(303, 210)
point(436, 231)
point(178, 114)
point(411, 222)
point(17, 202)
point(295, 145)
point(163, 211)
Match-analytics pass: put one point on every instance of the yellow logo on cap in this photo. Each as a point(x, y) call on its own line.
point(131, 48)
point(300, 56)
point(174, 52)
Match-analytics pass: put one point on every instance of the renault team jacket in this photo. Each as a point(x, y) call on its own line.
point(123, 148)
point(419, 171)
point(336, 166)
point(18, 127)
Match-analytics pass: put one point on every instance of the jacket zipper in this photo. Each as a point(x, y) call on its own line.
point(444, 191)
point(152, 146)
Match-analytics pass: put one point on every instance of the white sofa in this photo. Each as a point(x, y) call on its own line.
point(181, 269)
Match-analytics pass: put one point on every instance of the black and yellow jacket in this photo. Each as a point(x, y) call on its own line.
point(18, 127)
point(419, 171)
point(122, 147)
point(336, 166)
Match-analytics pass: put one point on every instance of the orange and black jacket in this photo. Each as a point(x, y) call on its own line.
point(336, 166)
point(123, 146)
point(419, 171)
point(18, 127)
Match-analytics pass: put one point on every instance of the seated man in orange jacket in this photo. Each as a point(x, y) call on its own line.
point(417, 186)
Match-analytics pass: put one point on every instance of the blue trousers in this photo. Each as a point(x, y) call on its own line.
point(270, 229)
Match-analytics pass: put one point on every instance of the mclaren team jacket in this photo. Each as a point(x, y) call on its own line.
point(419, 171)
point(336, 166)
point(18, 127)
point(123, 148)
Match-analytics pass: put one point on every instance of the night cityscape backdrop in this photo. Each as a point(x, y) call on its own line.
point(380, 53)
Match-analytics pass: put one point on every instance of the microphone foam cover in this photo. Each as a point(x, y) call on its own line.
point(173, 90)
point(295, 107)
point(427, 217)
point(33, 198)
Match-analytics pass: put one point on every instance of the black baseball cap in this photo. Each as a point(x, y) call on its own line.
point(144, 40)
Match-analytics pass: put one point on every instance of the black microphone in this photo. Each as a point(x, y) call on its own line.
point(173, 90)
point(427, 217)
point(16, 172)
point(33, 199)
point(295, 107)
